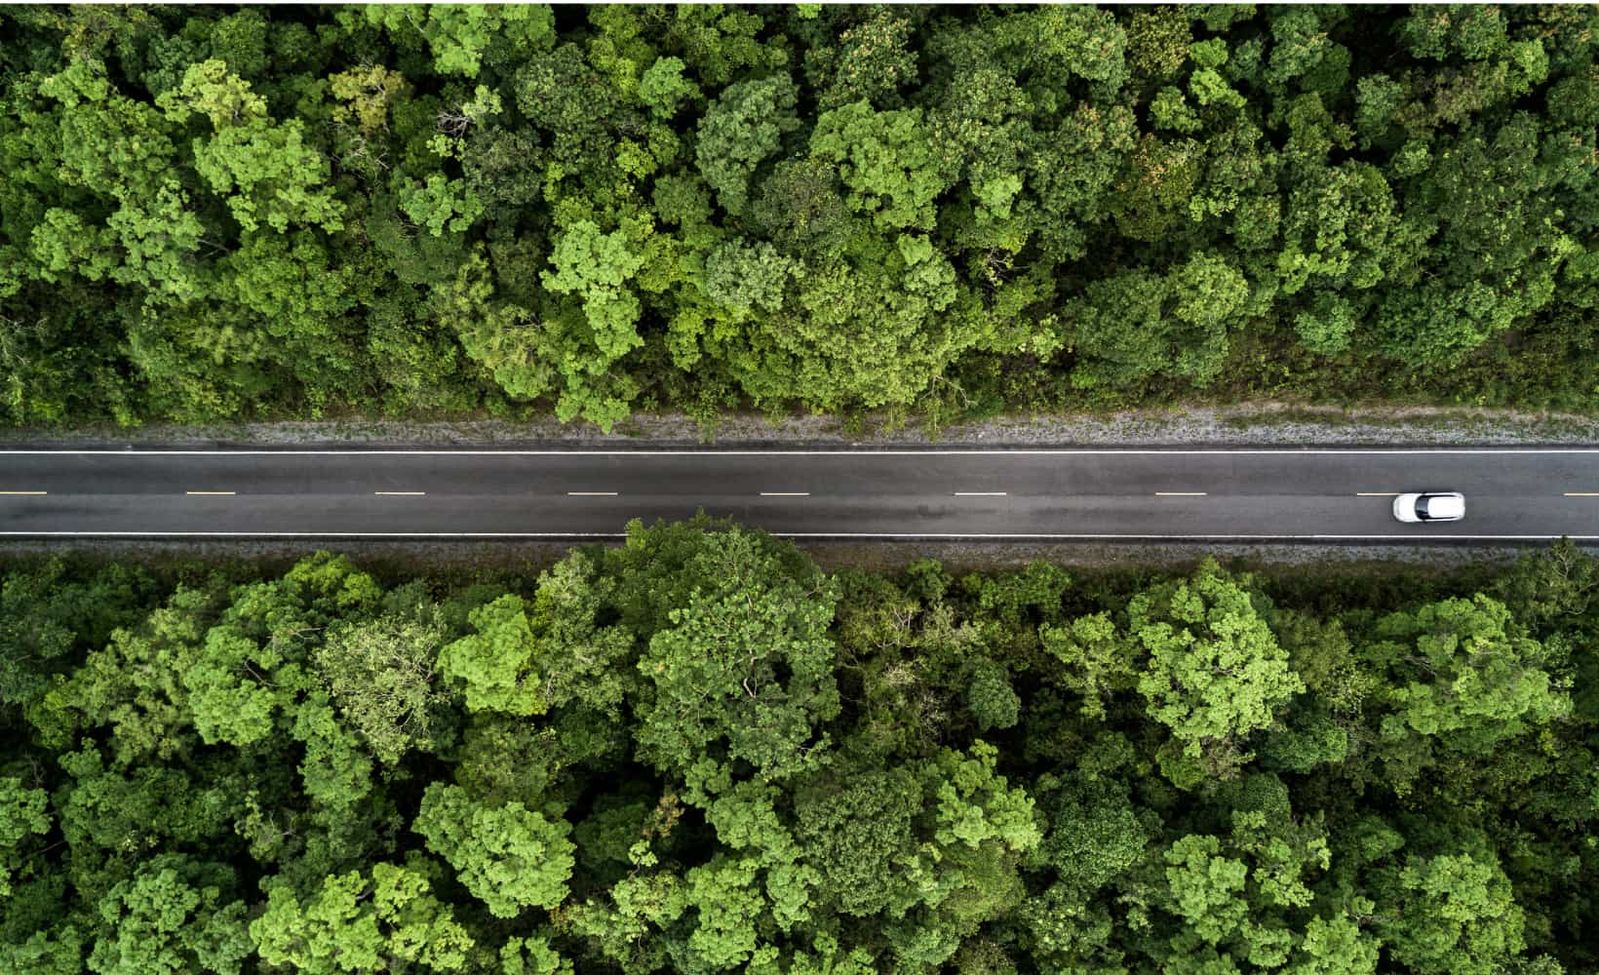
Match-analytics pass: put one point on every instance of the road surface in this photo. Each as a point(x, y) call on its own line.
point(1322, 494)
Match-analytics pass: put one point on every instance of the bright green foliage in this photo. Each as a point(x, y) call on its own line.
point(171, 918)
point(1241, 899)
point(1207, 889)
point(354, 923)
point(1097, 660)
point(532, 956)
point(697, 752)
point(379, 675)
point(743, 672)
point(741, 128)
point(581, 662)
point(595, 267)
point(662, 86)
point(1475, 680)
point(886, 160)
point(1215, 670)
point(454, 208)
point(1463, 677)
point(1462, 917)
point(265, 171)
point(748, 279)
point(495, 663)
point(975, 806)
point(22, 814)
point(459, 36)
point(229, 694)
point(509, 857)
point(441, 205)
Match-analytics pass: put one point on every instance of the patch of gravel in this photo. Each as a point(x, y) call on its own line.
point(989, 556)
point(1259, 423)
point(401, 557)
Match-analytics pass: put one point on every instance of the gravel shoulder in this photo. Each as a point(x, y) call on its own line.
point(399, 558)
point(1266, 423)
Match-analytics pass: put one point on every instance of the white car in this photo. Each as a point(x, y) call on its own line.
point(1430, 506)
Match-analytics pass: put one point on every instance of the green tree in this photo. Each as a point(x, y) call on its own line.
point(1215, 670)
point(383, 921)
point(22, 814)
point(461, 37)
point(742, 127)
point(264, 170)
point(1450, 913)
point(1097, 661)
point(887, 162)
point(172, 917)
point(595, 267)
point(743, 670)
point(1464, 679)
point(380, 675)
point(509, 857)
point(496, 663)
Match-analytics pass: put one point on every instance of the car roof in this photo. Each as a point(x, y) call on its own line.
point(1445, 506)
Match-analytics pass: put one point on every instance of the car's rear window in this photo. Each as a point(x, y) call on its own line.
point(1439, 507)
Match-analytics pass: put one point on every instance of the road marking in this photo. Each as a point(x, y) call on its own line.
point(785, 494)
point(24, 494)
point(1377, 494)
point(1582, 494)
point(210, 494)
point(981, 494)
point(862, 452)
point(591, 494)
point(1423, 539)
point(1180, 494)
point(400, 494)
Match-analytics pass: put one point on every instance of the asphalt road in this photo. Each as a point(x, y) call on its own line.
point(1512, 494)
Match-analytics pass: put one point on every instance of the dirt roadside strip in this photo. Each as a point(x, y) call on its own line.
point(1255, 424)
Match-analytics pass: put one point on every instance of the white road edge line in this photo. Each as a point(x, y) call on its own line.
point(24, 494)
point(956, 536)
point(785, 494)
point(981, 494)
point(591, 494)
point(1181, 494)
point(857, 452)
point(1377, 494)
point(1582, 494)
point(401, 494)
point(210, 494)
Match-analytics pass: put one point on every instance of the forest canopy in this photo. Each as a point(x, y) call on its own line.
point(697, 753)
point(223, 212)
